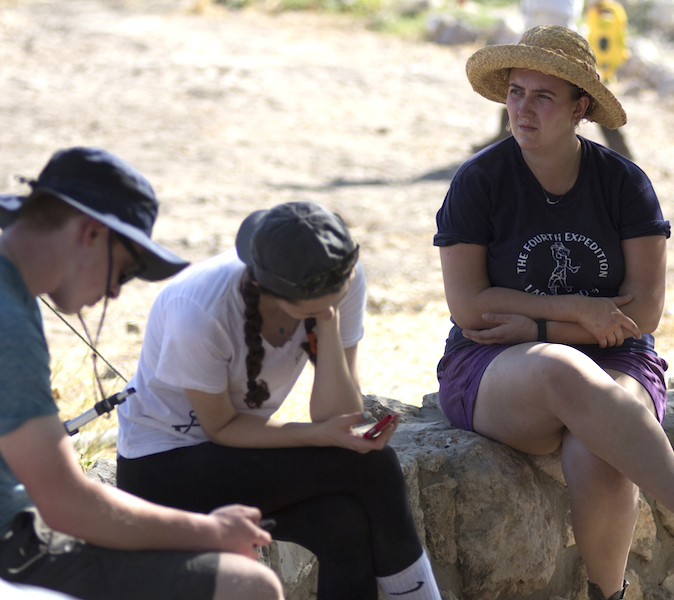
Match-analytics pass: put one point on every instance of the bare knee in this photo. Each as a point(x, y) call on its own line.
point(568, 376)
point(587, 473)
point(241, 578)
point(557, 364)
point(609, 481)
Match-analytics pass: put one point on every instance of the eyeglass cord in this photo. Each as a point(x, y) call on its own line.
point(106, 404)
point(79, 335)
point(92, 344)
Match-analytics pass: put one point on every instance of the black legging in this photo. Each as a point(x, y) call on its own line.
point(350, 509)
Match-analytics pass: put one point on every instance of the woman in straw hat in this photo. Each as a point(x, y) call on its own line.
point(225, 343)
point(553, 256)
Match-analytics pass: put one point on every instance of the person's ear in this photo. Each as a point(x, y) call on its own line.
point(581, 108)
point(92, 231)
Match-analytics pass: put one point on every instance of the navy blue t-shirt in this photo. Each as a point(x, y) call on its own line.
point(572, 247)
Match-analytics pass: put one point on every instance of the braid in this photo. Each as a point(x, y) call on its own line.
point(310, 345)
point(258, 391)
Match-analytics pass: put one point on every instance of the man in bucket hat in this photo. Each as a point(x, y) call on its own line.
point(82, 232)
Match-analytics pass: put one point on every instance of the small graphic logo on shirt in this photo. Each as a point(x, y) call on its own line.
point(185, 428)
point(561, 254)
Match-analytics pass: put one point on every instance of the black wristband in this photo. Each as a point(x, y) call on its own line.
point(542, 330)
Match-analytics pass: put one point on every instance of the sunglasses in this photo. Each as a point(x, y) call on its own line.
point(138, 265)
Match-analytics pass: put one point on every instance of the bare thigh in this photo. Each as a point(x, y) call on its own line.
point(516, 399)
point(635, 388)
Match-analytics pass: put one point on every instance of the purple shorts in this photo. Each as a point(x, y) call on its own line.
point(460, 372)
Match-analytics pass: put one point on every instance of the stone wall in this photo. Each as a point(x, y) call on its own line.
point(495, 521)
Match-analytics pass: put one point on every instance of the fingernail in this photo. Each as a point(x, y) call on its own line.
point(366, 415)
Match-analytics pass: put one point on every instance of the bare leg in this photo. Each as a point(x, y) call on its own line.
point(541, 395)
point(532, 393)
point(604, 505)
point(241, 578)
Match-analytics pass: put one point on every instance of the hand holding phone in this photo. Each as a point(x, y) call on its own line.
point(376, 430)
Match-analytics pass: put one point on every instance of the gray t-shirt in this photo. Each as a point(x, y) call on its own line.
point(25, 387)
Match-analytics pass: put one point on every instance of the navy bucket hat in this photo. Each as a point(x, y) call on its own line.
point(103, 186)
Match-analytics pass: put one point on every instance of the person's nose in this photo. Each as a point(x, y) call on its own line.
point(526, 106)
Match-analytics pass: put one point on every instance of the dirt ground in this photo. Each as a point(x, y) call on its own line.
point(228, 112)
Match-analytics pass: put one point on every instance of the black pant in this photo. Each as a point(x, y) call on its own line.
point(350, 509)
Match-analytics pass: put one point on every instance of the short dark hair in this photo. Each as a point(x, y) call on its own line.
point(46, 211)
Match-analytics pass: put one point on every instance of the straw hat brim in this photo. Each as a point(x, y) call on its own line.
point(488, 71)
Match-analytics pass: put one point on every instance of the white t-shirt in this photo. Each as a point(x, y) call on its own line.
point(195, 340)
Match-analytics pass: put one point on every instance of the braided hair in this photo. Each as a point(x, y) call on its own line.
point(258, 391)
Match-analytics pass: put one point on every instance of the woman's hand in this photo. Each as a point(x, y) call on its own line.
point(508, 329)
point(603, 319)
point(338, 431)
point(600, 317)
point(336, 390)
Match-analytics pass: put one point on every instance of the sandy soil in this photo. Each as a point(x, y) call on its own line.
point(227, 112)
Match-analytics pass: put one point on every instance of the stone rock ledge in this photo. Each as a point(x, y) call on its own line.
point(496, 522)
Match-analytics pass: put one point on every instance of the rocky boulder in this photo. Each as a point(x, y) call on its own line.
point(496, 522)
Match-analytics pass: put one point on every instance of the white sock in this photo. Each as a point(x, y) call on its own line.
point(416, 582)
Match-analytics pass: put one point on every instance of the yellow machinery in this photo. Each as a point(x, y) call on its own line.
point(607, 26)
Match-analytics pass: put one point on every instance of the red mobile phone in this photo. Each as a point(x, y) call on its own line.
point(378, 427)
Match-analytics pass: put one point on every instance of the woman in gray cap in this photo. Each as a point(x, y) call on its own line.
point(225, 343)
point(553, 256)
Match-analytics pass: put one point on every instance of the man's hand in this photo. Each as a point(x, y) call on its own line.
point(240, 529)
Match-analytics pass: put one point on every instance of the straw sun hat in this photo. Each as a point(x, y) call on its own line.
point(551, 50)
